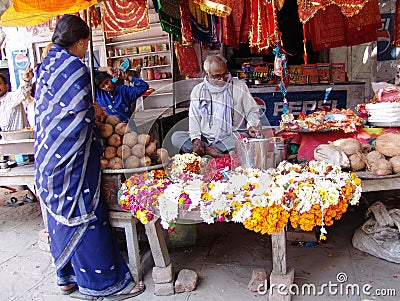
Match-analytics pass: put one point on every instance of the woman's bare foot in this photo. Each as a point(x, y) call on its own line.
point(67, 287)
point(137, 288)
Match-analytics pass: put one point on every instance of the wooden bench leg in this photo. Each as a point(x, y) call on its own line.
point(157, 243)
point(126, 221)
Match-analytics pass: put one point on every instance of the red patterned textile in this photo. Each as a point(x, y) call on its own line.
point(188, 62)
point(187, 36)
point(361, 28)
point(221, 8)
point(329, 28)
point(326, 29)
point(396, 30)
point(264, 25)
point(308, 8)
point(121, 17)
point(232, 25)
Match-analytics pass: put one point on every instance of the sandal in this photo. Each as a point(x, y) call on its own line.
point(69, 291)
point(126, 292)
point(13, 202)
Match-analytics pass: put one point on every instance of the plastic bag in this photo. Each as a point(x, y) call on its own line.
point(331, 154)
point(380, 235)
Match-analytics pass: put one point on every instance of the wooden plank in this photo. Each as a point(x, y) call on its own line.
point(157, 243)
point(279, 265)
point(380, 184)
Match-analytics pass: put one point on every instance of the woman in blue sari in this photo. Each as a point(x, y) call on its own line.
point(67, 172)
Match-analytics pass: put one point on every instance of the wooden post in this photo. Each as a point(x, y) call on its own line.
point(279, 253)
point(157, 243)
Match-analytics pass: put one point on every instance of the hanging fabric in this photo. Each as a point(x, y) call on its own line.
point(122, 17)
point(204, 27)
point(57, 6)
point(220, 8)
point(308, 8)
point(362, 27)
point(170, 16)
point(264, 24)
point(188, 62)
point(233, 25)
point(396, 29)
point(329, 28)
point(186, 23)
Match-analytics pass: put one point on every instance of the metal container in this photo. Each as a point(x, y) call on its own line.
point(256, 153)
point(279, 150)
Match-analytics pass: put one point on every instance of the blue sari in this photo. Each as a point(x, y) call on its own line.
point(67, 173)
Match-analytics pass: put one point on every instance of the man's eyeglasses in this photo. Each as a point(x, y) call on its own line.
point(219, 76)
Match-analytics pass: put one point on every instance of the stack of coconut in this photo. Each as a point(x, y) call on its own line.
point(381, 159)
point(125, 148)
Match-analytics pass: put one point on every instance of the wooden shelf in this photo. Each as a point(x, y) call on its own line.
point(138, 54)
point(153, 40)
point(156, 66)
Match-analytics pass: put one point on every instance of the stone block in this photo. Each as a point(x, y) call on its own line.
point(279, 286)
point(186, 281)
point(163, 275)
point(258, 279)
point(164, 289)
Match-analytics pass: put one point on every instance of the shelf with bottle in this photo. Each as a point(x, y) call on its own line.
point(142, 41)
point(122, 55)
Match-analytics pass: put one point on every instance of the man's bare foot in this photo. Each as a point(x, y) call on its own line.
point(211, 151)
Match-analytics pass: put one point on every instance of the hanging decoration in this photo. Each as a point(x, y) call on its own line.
point(236, 25)
point(122, 17)
point(186, 23)
point(280, 69)
point(396, 30)
point(264, 24)
point(170, 16)
point(308, 8)
point(220, 8)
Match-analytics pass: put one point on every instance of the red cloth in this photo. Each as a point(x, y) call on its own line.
point(187, 36)
point(309, 141)
point(232, 25)
point(188, 62)
point(329, 28)
point(121, 17)
point(396, 30)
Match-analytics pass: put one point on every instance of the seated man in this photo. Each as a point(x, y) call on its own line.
point(12, 112)
point(221, 109)
point(119, 100)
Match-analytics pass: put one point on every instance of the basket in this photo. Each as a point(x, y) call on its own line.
point(17, 135)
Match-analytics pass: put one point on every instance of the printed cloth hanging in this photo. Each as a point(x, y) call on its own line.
point(396, 29)
point(329, 28)
point(186, 23)
point(204, 27)
point(122, 17)
point(170, 16)
point(188, 62)
point(220, 8)
point(236, 26)
point(57, 6)
point(264, 24)
point(308, 8)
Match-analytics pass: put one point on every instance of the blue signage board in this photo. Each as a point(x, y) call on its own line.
point(298, 102)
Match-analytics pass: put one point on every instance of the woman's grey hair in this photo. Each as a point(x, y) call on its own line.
point(216, 59)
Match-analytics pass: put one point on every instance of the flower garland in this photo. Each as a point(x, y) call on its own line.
point(308, 195)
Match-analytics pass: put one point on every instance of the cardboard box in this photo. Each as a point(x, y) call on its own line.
point(303, 79)
point(313, 79)
point(294, 74)
point(338, 72)
point(309, 69)
point(324, 72)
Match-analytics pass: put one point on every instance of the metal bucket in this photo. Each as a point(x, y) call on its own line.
point(256, 153)
point(279, 149)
